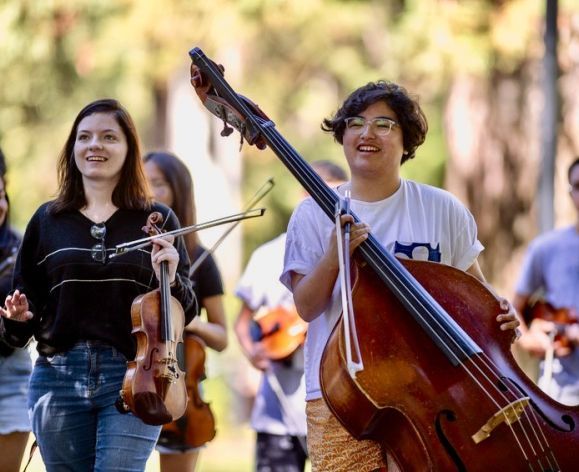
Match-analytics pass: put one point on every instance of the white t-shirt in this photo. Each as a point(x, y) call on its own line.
point(418, 222)
point(259, 287)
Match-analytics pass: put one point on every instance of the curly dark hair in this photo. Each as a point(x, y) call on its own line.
point(411, 118)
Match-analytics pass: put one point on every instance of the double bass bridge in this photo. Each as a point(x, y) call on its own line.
point(509, 415)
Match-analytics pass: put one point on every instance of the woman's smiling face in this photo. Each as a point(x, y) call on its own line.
point(100, 148)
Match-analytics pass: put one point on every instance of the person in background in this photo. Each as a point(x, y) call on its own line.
point(278, 414)
point(172, 185)
point(551, 271)
point(15, 364)
point(76, 301)
point(379, 126)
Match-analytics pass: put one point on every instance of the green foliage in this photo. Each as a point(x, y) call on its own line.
point(297, 59)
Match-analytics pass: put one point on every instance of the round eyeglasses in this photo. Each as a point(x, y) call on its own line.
point(99, 250)
point(380, 126)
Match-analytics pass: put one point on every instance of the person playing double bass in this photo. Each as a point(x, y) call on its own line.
point(76, 301)
point(277, 416)
point(379, 126)
point(551, 266)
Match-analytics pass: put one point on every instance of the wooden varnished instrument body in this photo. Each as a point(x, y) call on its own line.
point(423, 410)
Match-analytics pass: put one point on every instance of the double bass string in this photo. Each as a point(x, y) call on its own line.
point(325, 197)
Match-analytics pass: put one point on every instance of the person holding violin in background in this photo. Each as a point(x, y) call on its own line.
point(76, 301)
point(15, 364)
point(379, 126)
point(278, 413)
point(172, 185)
point(551, 269)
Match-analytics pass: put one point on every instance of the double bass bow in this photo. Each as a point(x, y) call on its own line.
point(440, 389)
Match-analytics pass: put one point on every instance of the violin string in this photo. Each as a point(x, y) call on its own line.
point(297, 166)
point(302, 169)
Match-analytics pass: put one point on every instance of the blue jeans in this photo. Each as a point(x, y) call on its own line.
point(71, 403)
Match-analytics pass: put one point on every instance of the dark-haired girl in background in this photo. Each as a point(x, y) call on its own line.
point(172, 185)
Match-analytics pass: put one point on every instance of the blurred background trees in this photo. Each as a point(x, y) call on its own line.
point(476, 66)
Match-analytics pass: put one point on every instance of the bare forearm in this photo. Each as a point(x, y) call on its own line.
point(214, 330)
point(312, 292)
point(215, 336)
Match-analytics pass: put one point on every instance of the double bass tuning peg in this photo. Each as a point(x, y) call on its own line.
point(227, 130)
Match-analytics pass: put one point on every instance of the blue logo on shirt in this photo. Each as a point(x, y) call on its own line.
point(418, 251)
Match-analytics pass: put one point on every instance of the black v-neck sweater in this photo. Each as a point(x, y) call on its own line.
point(75, 298)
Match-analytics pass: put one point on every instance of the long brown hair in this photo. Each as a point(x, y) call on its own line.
point(179, 179)
point(131, 192)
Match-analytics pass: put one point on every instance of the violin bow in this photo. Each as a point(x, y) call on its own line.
point(261, 192)
point(123, 248)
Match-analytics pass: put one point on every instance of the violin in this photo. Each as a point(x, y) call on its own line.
point(560, 317)
point(280, 330)
point(154, 385)
point(197, 426)
point(440, 389)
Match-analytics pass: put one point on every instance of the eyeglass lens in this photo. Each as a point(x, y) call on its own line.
point(382, 126)
point(99, 250)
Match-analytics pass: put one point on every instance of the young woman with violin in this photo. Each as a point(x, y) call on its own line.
point(172, 185)
point(271, 335)
point(76, 301)
point(551, 266)
point(15, 364)
point(379, 127)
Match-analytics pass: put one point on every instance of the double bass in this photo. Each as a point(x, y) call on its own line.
point(440, 389)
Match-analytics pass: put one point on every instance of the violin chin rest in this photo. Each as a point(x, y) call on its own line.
point(151, 409)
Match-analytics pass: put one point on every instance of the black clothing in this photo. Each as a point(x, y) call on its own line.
point(206, 279)
point(280, 452)
point(9, 243)
point(74, 297)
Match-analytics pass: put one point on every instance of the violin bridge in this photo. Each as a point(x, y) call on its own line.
point(508, 415)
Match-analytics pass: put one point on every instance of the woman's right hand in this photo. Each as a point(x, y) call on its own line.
point(16, 307)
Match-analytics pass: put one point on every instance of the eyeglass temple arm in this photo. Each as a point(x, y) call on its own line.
point(143, 242)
